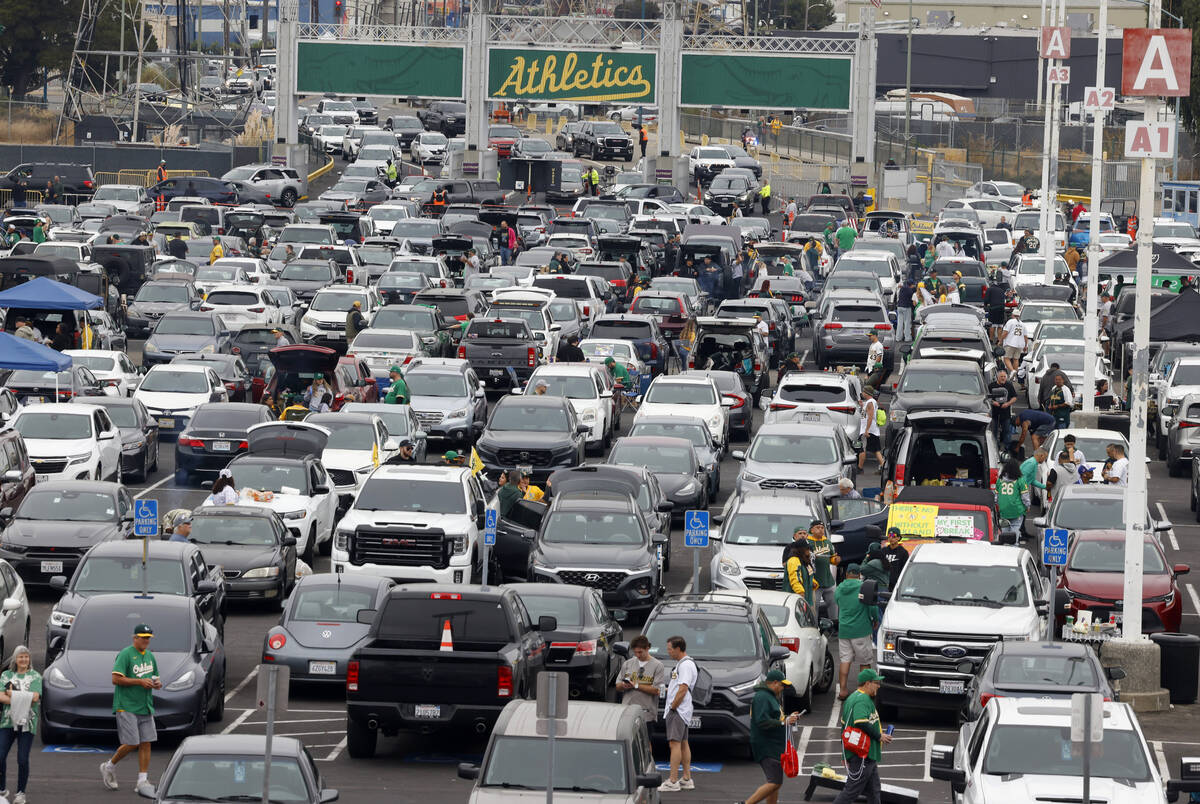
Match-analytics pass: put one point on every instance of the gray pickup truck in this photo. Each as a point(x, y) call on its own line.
point(503, 351)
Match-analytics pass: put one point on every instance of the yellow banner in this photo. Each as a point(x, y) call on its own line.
point(914, 521)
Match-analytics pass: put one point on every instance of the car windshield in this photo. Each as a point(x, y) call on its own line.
point(229, 530)
point(58, 426)
point(399, 341)
point(122, 415)
point(529, 418)
point(798, 449)
point(696, 433)
point(940, 382)
point(1025, 751)
point(570, 387)
point(403, 494)
point(428, 383)
point(732, 183)
point(100, 574)
point(1036, 266)
point(707, 639)
point(334, 302)
point(419, 319)
point(389, 214)
point(433, 138)
point(1069, 329)
point(1109, 556)
point(592, 527)
point(180, 325)
point(655, 305)
point(580, 766)
point(813, 393)
point(168, 380)
point(211, 777)
point(1042, 669)
point(306, 273)
point(403, 281)
point(857, 314)
point(666, 460)
point(1033, 222)
point(347, 435)
point(69, 251)
point(766, 529)
point(412, 227)
point(98, 628)
point(112, 193)
point(285, 479)
point(64, 504)
point(236, 298)
point(1088, 513)
point(1168, 229)
point(1032, 313)
point(1186, 374)
point(679, 393)
point(166, 292)
point(852, 262)
point(963, 585)
point(94, 362)
point(333, 603)
point(216, 274)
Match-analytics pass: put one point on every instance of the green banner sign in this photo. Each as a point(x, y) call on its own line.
point(765, 82)
point(390, 70)
point(584, 76)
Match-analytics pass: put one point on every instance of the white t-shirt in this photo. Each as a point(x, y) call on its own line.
point(953, 296)
point(684, 673)
point(1014, 333)
point(763, 327)
point(874, 356)
point(944, 249)
point(868, 425)
point(1120, 470)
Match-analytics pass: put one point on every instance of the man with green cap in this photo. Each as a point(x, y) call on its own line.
point(134, 678)
point(398, 393)
point(862, 773)
point(451, 458)
point(856, 624)
point(768, 734)
point(620, 375)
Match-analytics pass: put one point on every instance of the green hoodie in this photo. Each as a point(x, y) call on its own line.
point(768, 734)
point(854, 618)
point(823, 551)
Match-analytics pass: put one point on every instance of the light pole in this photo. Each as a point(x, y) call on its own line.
point(908, 81)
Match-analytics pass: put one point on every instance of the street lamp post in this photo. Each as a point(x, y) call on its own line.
point(908, 80)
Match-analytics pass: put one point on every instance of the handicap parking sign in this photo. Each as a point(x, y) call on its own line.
point(1054, 547)
point(145, 518)
point(695, 528)
point(489, 527)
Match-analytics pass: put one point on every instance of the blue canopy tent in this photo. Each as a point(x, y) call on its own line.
point(42, 293)
point(20, 353)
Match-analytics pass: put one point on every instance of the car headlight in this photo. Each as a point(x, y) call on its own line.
point(1168, 598)
point(78, 458)
point(57, 678)
point(459, 543)
point(308, 320)
point(588, 416)
point(365, 470)
point(727, 566)
point(341, 540)
point(184, 682)
point(132, 446)
point(714, 423)
point(744, 688)
point(428, 339)
point(294, 514)
point(690, 487)
point(261, 572)
point(210, 348)
point(750, 477)
point(61, 619)
point(149, 346)
point(461, 413)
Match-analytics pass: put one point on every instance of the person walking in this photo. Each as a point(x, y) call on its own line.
point(1002, 408)
point(1029, 470)
point(642, 678)
point(873, 368)
point(679, 715)
point(904, 310)
point(21, 694)
point(1012, 494)
point(895, 556)
point(862, 773)
point(856, 624)
point(868, 428)
point(764, 197)
point(398, 393)
point(846, 235)
point(768, 735)
point(134, 678)
point(355, 322)
point(1014, 342)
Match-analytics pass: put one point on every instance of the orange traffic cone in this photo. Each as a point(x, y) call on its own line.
point(447, 639)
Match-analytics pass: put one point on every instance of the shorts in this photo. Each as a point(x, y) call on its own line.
point(1013, 352)
point(772, 768)
point(1044, 430)
point(996, 316)
point(677, 728)
point(860, 651)
point(135, 729)
point(873, 443)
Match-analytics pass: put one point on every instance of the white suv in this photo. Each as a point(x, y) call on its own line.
point(817, 397)
point(589, 389)
point(689, 396)
point(70, 441)
point(756, 526)
point(325, 319)
point(414, 523)
point(1183, 379)
point(243, 304)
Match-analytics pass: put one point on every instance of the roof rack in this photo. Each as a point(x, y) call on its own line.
point(724, 598)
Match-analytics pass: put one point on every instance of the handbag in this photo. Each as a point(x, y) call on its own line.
point(856, 741)
point(790, 761)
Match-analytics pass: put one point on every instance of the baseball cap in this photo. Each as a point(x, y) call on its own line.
point(777, 675)
point(870, 674)
point(396, 369)
point(450, 455)
point(853, 568)
point(893, 530)
point(183, 519)
point(406, 443)
point(143, 630)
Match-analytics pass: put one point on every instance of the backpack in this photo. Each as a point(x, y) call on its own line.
point(702, 692)
point(880, 416)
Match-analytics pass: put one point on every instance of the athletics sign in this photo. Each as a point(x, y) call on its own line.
point(582, 76)
point(1156, 62)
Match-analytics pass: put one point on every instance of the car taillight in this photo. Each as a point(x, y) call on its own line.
point(791, 643)
point(191, 442)
point(276, 642)
point(237, 350)
point(204, 308)
point(88, 183)
point(232, 386)
point(737, 401)
point(112, 383)
point(243, 445)
point(462, 353)
point(350, 275)
point(758, 366)
point(782, 406)
point(797, 297)
point(1183, 425)
point(832, 326)
point(587, 309)
point(220, 230)
point(883, 326)
point(771, 326)
point(993, 476)
point(257, 309)
point(532, 357)
point(843, 408)
point(504, 681)
point(352, 676)
point(407, 359)
point(985, 697)
point(900, 475)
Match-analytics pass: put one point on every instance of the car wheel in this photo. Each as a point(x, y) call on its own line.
point(288, 197)
point(154, 463)
point(1175, 468)
point(827, 675)
point(201, 723)
point(145, 473)
point(1161, 443)
point(281, 595)
point(360, 740)
point(310, 549)
point(25, 641)
point(218, 711)
point(1192, 496)
point(181, 477)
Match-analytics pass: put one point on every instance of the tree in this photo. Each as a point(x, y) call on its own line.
point(819, 14)
point(1189, 107)
point(632, 10)
point(36, 36)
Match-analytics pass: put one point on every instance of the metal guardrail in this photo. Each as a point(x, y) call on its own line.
point(542, 31)
point(768, 44)
point(793, 142)
point(32, 197)
point(353, 32)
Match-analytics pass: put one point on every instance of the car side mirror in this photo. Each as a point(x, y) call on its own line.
point(1115, 673)
point(321, 489)
point(648, 779)
point(621, 649)
point(738, 455)
point(12, 476)
point(329, 794)
point(1181, 569)
point(868, 593)
point(365, 616)
point(778, 653)
point(468, 771)
point(1040, 521)
point(59, 583)
point(546, 624)
point(289, 541)
point(582, 429)
point(825, 625)
point(620, 615)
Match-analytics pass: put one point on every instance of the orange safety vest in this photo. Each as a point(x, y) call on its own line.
point(162, 173)
point(643, 136)
point(1131, 226)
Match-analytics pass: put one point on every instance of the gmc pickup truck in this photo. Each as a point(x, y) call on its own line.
point(503, 351)
point(440, 657)
point(603, 139)
point(448, 117)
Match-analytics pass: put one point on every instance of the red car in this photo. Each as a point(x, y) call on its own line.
point(1094, 576)
point(502, 138)
point(294, 367)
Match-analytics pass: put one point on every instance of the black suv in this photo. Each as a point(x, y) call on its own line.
point(448, 117)
point(76, 179)
point(733, 344)
point(541, 432)
point(599, 539)
point(730, 637)
point(603, 139)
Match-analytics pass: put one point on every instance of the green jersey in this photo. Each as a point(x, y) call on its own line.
point(1008, 495)
point(859, 711)
point(822, 551)
point(620, 374)
point(398, 393)
point(29, 681)
point(768, 732)
point(846, 237)
point(133, 663)
point(855, 619)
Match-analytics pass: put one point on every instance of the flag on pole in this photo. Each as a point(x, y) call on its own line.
point(476, 463)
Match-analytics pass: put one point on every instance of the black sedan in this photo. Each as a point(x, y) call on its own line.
point(1039, 670)
point(139, 433)
point(319, 629)
point(214, 435)
point(58, 521)
point(218, 191)
point(77, 689)
point(581, 645)
point(673, 463)
point(254, 548)
point(157, 298)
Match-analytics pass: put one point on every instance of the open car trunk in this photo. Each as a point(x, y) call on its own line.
point(947, 448)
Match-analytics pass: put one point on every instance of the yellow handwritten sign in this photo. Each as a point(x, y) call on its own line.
point(914, 521)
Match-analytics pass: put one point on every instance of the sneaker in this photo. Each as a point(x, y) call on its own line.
point(19, 798)
point(668, 787)
point(146, 790)
point(109, 774)
point(687, 784)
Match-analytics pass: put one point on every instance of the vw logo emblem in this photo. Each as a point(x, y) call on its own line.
point(326, 634)
point(953, 651)
point(427, 673)
point(592, 577)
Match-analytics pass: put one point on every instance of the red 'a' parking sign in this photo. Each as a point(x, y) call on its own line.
point(1156, 62)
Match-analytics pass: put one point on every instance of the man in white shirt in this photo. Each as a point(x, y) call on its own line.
point(1118, 472)
point(868, 429)
point(679, 715)
point(874, 365)
point(944, 248)
point(1014, 343)
point(762, 326)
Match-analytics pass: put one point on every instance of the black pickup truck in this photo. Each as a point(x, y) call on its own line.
point(502, 351)
point(466, 191)
point(448, 117)
point(441, 656)
point(603, 139)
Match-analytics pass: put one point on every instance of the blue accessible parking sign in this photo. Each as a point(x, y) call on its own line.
point(695, 528)
point(1054, 547)
point(145, 518)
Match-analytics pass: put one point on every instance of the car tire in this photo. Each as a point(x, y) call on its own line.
point(201, 723)
point(828, 674)
point(288, 198)
point(181, 477)
point(1161, 442)
point(281, 598)
point(310, 549)
point(1175, 468)
point(360, 740)
point(52, 735)
point(805, 701)
point(217, 712)
point(154, 463)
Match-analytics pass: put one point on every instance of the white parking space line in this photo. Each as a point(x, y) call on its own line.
point(309, 734)
point(929, 738)
point(332, 755)
point(1170, 533)
point(1161, 758)
point(239, 720)
point(1195, 601)
point(149, 489)
point(241, 684)
point(802, 746)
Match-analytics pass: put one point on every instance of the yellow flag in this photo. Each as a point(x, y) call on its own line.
point(476, 464)
point(375, 454)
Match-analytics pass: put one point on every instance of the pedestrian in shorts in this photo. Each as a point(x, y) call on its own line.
point(642, 677)
point(856, 624)
point(768, 735)
point(134, 678)
point(679, 715)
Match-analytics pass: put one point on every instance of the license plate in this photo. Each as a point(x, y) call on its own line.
point(497, 372)
point(220, 446)
point(694, 723)
point(52, 567)
point(812, 417)
point(42, 478)
point(322, 668)
point(166, 424)
point(429, 711)
point(952, 687)
point(34, 400)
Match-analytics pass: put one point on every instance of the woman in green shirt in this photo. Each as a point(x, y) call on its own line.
point(1012, 495)
point(21, 695)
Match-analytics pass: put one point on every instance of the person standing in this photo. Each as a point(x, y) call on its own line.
point(895, 556)
point(1014, 342)
point(764, 197)
point(1116, 473)
point(398, 393)
point(642, 678)
point(355, 322)
point(1029, 470)
point(862, 773)
point(217, 252)
point(995, 299)
point(21, 694)
point(569, 351)
point(768, 735)
point(25, 331)
point(134, 678)
point(874, 365)
point(856, 624)
point(824, 559)
point(679, 715)
point(1061, 402)
point(904, 310)
point(161, 173)
point(798, 564)
point(1012, 494)
point(846, 235)
point(868, 428)
point(1002, 409)
point(643, 139)
point(177, 246)
point(39, 232)
point(510, 493)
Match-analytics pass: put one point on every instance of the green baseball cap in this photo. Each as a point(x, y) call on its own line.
point(870, 674)
point(143, 630)
point(777, 675)
point(451, 455)
point(395, 369)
